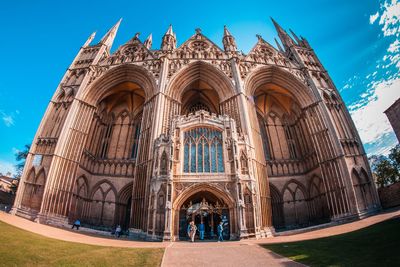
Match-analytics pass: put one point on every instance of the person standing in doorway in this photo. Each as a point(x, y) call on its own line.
point(189, 226)
point(193, 230)
point(220, 230)
point(201, 230)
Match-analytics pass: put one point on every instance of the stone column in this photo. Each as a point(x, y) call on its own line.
point(62, 174)
point(246, 125)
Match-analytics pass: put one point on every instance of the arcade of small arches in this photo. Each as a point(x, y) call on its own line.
point(258, 160)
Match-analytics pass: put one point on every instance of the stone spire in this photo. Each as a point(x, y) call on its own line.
point(169, 40)
point(295, 36)
point(170, 31)
point(286, 40)
point(149, 41)
point(108, 39)
point(89, 40)
point(279, 45)
point(228, 41)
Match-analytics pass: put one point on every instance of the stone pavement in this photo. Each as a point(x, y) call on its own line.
point(231, 253)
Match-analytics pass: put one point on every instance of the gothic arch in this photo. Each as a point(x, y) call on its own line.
point(82, 185)
point(362, 189)
point(98, 184)
point(103, 204)
point(295, 208)
point(217, 192)
point(181, 198)
point(41, 177)
point(123, 209)
point(30, 178)
point(319, 210)
point(249, 210)
point(111, 78)
point(80, 202)
point(278, 220)
point(34, 189)
point(278, 76)
point(200, 71)
point(368, 188)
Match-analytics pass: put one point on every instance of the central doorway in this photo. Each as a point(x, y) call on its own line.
point(204, 207)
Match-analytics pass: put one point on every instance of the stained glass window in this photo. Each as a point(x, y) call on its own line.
point(186, 156)
point(203, 151)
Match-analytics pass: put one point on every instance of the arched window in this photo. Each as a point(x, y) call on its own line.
point(106, 141)
point(203, 151)
point(135, 142)
point(290, 141)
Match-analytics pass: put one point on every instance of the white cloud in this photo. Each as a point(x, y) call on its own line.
point(394, 47)
point(368, 116)
point(390, 18)
point(373, 18)
point(383, 87)
point(6, 167)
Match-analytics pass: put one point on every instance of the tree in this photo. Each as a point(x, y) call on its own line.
point(21, 156)
point(394, 156)
point(386, 169)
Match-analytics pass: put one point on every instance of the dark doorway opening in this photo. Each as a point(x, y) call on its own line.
point(206, 208)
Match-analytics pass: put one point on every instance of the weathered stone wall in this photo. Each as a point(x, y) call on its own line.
point(393, 114)
point(390, 195)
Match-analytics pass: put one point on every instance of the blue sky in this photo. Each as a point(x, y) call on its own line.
point(357, 41)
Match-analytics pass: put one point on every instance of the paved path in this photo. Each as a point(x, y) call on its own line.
point(222, 254)
point(235, 253)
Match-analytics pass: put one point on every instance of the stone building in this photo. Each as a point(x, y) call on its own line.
point(153, 138)
point(393, 114)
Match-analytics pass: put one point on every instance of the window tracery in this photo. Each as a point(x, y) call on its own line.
point(198, 106)
point(203, 151)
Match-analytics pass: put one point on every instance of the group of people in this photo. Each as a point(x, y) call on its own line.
point(117, 232)
point(192, 228)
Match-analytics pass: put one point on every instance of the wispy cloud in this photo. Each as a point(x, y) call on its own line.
point(7, 167)
point(383, 85)
point(371, 122)
point(8, 119)
point(390, 18)
point(373, 18)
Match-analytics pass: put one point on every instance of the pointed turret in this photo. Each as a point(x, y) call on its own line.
point(89, 40)
point(108, 39)
point(149, 41)
point(170, 31)
point(286, 40)
point(228, 41)
point(279, 45)
point(169, 40)
point(295, 36)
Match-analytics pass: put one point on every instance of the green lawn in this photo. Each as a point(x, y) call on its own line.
point(377, 245)
point(22, 248)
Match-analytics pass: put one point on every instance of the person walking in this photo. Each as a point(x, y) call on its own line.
point(76, 224)
point(118, 231)
point(201, 230)
point(220, 230)
point(193, 230)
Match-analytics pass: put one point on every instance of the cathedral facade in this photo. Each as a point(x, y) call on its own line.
point(151, 139)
